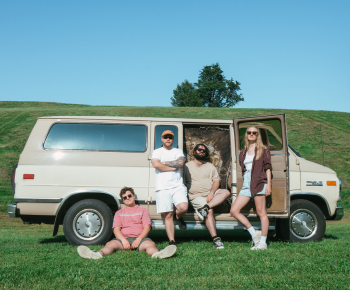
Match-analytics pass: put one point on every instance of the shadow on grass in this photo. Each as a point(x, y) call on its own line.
point(160, 236)
point(238, 236)
point(330, 237)
point(56, 239)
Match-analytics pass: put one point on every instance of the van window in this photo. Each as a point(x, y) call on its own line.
point(158, 134)
point(97, 137)
point(270, 132)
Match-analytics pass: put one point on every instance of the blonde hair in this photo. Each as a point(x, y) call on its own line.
point(258, 143)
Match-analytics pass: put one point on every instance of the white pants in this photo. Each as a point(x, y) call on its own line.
point(166, 198)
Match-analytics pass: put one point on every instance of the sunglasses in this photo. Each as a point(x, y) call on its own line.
point(201, 150)
point(127, 196)
point(171, 137)
point(252, 132)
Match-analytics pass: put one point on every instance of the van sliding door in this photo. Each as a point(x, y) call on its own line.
point(273, 132)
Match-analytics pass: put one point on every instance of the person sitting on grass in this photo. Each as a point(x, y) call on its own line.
point(131, 226)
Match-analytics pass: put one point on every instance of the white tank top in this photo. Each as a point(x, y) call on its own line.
point(248, 161)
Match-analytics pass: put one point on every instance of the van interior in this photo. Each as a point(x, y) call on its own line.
point(217, 139)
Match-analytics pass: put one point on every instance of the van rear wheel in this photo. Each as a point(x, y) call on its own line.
point(88, 222)
point(306, 223)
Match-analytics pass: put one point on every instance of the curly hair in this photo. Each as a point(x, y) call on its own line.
point(196, 147)
point(124, 190)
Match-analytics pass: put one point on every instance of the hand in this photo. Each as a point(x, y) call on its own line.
point(268, 190)
point(126, 244)
point(210, 197)
point(136, 243)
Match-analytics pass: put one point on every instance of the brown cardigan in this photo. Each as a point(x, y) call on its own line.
point(259, 168)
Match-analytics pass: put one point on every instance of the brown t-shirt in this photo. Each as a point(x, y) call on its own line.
point(259, 168)
point(199, 179)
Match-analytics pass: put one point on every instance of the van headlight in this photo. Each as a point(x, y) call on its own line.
point(339, 199)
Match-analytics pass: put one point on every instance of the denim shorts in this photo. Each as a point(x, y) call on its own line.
point(245, 191)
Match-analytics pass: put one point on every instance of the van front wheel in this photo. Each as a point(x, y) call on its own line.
point(88, 222)
point(306, 223)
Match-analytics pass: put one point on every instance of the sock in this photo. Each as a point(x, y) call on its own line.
point(214, 237)
point(207, 206)
point(99, 252)
point(251, 231)
point(263, 240)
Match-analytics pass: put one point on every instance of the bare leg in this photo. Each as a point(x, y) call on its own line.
point(210, 223)
point(260, 204)
point(219, 198)
point(149, 247)
point(111, 247)
point(236, 208)
point(169, 225)
point(181, 209)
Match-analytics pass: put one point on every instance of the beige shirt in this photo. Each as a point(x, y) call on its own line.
point(199, 179)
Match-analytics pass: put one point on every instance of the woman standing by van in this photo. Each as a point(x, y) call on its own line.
point(255, 161)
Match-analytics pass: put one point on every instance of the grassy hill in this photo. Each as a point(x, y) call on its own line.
point(307, 131)
point(32, 259)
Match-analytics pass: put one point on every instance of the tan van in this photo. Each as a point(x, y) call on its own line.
point(72, 169)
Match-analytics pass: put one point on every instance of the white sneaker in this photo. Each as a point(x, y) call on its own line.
point(86, 253)
point(259, 246)
point(165, 253)
point(217, 243)
point(256, 238)
point(202, 213)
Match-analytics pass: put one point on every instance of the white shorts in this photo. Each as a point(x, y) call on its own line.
point(166, 198)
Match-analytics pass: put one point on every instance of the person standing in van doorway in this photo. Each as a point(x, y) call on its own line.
point(202, 181)
point(170, 189)
point(255, 160)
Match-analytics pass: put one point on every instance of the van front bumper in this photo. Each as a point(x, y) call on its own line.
point(339, 213)
point(12, 210)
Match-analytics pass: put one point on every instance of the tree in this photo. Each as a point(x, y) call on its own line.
point(211, 90)
point(186, 95)
point(215, 90)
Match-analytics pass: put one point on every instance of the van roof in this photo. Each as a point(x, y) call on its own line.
point(185, 120)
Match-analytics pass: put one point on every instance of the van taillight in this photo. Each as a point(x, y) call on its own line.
point(28, 176)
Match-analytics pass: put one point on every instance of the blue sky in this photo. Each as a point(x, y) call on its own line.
point(285, 54)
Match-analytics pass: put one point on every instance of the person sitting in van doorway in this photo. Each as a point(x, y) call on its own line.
point(202, 181)
point(131, 226)
point(170, 189)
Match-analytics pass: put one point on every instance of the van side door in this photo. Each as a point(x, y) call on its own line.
point(273, 132)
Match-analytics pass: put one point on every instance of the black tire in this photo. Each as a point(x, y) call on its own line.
point(88, 222)
point(305, 224)
point(13, 174)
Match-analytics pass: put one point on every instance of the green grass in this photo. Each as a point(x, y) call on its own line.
point(32, 259)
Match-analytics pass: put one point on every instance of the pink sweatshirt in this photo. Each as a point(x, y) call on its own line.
point(132, 221)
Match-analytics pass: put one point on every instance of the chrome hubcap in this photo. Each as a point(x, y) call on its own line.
point(303, 224)
point(88, 224)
